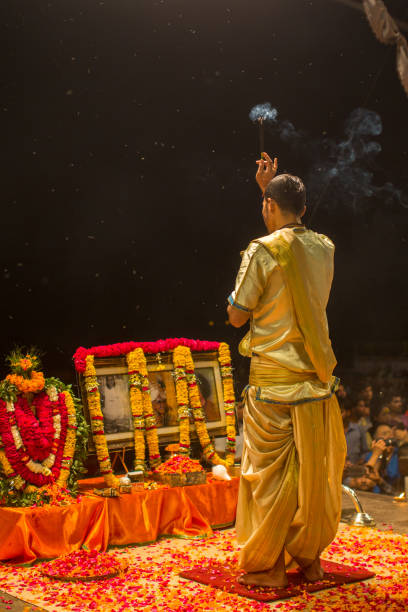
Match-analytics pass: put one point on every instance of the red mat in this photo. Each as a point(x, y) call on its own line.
point(224, 577)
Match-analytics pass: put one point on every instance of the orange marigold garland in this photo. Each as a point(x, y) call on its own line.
point(34, 384)
point(179, 361)
point(97, 427)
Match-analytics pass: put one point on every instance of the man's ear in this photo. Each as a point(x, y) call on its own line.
point(303, 212)
point(270, 204)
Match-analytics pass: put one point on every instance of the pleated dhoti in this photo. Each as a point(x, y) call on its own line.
point(291, 473)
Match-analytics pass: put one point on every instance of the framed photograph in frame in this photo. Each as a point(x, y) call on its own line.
point(112, 377)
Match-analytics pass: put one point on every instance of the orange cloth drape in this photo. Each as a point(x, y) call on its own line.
point(27, 534)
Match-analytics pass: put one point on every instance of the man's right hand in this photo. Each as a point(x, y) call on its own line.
point(266, 171)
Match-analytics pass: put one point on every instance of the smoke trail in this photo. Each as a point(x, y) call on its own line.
point(339, 172)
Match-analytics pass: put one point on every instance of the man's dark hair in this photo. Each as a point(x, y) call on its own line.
point(289, 193)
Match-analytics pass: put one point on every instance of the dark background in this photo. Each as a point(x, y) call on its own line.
point(128, 163)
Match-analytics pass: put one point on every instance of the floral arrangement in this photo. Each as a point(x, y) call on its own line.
point(38, 432)
point(144, 420)
point(149, 348)
point(179, 465)
point(84, 565)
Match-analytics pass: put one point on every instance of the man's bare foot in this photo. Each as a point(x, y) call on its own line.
point(312, 572)
point(272, 578)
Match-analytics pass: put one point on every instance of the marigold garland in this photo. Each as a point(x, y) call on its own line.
point(144, 420)
point(179, 361)
point(97, 428)
point(70, 441)
point(136, 405)
point(34, 384)
point(188, 394)
point(148, 414)
point(224, 358)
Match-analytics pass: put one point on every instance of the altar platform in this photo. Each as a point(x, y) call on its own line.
point(141, 517)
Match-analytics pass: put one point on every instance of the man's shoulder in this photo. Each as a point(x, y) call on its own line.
point(257, 247)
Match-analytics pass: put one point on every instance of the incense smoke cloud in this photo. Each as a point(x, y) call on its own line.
point(339, 172)
point(263, 111)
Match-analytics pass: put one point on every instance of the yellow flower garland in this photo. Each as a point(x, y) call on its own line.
point(224, 357)
point(188, 393)
point(136, 405)
point(8, 471)
point(149, 416)
point(179, 361)
point(98, 433)
point(70, 441)
point(4, 463)
point(142, 410)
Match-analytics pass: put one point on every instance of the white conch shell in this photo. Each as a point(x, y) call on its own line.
point(220, 472)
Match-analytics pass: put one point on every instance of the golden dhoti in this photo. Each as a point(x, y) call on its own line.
point(292, 464)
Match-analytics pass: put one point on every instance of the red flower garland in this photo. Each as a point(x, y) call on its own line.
point(37, 433)
point(19, 457)
point(123, 348)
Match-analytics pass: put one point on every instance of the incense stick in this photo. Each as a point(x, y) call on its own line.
point(261, 135)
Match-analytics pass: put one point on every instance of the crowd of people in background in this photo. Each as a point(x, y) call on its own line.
point(376, 428)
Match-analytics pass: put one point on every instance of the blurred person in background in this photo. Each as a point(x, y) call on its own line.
point(366, 477)
point(342, 394)
point(361, 415)
point(393, 410)
point(401, 437)
point(401, 434)
point(386, 463)
point(355, 436)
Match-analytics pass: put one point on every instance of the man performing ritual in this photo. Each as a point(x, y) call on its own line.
point(294, 447)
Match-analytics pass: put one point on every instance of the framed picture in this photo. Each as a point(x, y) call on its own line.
point(114, 391)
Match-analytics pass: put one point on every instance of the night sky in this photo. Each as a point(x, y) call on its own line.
point(128, 163)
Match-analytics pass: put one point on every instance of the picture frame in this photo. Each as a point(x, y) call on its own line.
point(112, 376)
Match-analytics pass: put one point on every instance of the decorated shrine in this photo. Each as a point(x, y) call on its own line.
point(132, 398)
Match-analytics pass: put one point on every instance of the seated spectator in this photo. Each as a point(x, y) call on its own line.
point(367, 477)
point(400, 434)
point(341, 393)
point(393, 410)
point(386, 464)
point(366, 393)
point(401, 437)
point(355, 438)
point(358, 477)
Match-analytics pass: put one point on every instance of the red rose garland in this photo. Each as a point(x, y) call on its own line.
point(37, 433)
point(16, 431)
